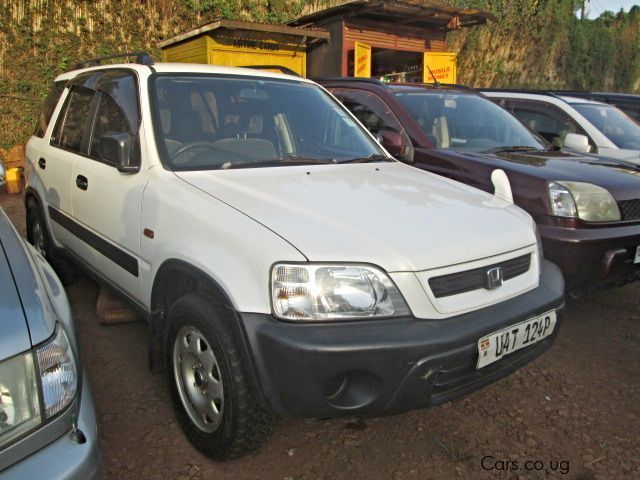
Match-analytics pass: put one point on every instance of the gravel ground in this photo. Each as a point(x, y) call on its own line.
point(573, 413)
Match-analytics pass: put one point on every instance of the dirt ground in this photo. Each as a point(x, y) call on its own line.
point(574, 413)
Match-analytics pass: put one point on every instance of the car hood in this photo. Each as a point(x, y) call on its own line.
point(37, 312)
point(632, 156)
point(621, 178)
point(14, 332)
point(388, 214)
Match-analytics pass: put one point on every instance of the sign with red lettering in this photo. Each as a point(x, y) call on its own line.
point(442, 65)
point(362, 60)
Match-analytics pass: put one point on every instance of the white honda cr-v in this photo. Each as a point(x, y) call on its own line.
point(286, 264)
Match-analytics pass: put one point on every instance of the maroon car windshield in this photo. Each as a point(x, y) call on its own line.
point(467, 123)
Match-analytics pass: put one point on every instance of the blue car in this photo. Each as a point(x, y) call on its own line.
point(48, 425)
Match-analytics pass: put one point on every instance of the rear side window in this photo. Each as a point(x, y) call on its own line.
point(73, 124)
point(49, 105)
point(372, 112)
point(117, 108)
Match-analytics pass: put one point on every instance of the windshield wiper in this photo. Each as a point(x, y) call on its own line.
point(286, 160)
point(376, 157)
point(513, 148)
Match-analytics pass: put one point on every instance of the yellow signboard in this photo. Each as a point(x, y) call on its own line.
point(362, 60)
point(252, 50)
point(442, 65)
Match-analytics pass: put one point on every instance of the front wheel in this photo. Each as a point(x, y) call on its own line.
point(213, 400)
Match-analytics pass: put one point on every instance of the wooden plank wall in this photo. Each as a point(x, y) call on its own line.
point(388, 36)
point(189, 51)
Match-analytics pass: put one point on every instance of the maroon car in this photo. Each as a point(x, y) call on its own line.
point(587, 207)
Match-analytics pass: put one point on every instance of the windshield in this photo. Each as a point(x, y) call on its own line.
point(613, 123)
point(467, 123)
point(205, 122)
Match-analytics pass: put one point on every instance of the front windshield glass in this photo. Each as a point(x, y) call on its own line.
point(613, 123)
point(205, 122)
point(467, 123)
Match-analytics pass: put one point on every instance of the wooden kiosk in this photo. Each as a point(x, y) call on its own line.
point(389, 40)
point(237, 44)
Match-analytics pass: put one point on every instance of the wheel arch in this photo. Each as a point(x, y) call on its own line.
point(188, 278)
point(32, 195)
point(174, 279)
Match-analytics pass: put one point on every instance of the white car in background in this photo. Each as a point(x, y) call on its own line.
point(584, 125)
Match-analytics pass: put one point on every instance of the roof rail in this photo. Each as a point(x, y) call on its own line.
point(142, 58)
point(551, 93)
point(350, 79)
point(375, 81)
point(460, 86)
point(285, 70)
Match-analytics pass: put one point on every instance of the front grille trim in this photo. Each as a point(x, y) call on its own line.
point(474, 279)
point(629, 209)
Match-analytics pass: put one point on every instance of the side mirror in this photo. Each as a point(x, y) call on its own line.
point(577, 142)
point(395, 144)
point(120, 149)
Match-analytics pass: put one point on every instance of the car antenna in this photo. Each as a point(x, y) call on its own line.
point(436, 83)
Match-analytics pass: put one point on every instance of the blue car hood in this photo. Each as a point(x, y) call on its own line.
point(14, 331)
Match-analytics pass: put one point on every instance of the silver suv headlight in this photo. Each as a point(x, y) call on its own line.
point(20, 407)
point(334, 292)
point(585, 201)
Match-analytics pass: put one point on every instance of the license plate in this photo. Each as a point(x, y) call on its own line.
point(637, 257)
point(496, 345)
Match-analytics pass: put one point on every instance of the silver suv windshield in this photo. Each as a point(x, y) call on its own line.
point(613, 123)
point(467, 123)
point(205, 122)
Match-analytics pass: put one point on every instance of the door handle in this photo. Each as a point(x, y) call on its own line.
point(82, 182)
point(42, 163)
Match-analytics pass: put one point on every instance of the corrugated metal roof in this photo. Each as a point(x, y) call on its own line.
point(416, 13)
point(223, 23)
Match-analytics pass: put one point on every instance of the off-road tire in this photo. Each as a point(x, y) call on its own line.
point(245, 424)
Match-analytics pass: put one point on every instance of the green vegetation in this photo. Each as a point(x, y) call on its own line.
point(532, 43)
point(543, 44)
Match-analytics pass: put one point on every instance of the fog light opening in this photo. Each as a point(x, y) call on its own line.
point(352, 390)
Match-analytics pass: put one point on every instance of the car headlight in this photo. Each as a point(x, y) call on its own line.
point(585, 201)
point(20, 400)
point(334, 292)
point(58, 373)
point(19, 404)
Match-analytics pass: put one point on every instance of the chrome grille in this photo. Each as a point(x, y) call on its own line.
point(629, 209)
point(475, 279)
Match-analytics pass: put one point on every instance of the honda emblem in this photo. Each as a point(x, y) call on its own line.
point(494, 278)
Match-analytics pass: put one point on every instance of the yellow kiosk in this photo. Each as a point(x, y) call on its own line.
point(237, 44)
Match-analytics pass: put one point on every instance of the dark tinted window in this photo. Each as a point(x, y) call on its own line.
point(615, 124)
point(49, 105)
point(465, 122)
point(73, 123)
point(117, 108)
point(546, 119)
point(209, 122)
point(372, 112)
